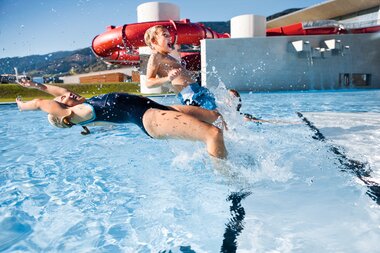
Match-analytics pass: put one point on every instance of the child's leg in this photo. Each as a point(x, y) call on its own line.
point(208, 116)
point(171, 124)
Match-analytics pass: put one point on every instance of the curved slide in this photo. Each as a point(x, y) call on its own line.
point(119, 45)
point(307, 28)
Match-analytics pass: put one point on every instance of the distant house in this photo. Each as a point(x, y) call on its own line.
point(7, 78)
point(114, 75)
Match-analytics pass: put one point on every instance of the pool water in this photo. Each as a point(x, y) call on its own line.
point(116, 190)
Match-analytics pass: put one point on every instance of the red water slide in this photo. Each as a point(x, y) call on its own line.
point(331, 28)
point(120, 44)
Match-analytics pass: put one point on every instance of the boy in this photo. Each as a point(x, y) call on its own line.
point(163, 68)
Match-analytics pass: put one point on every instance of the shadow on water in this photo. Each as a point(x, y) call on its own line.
point(13, 231)
point(182, 249)
point(359, 169)
point(235, 225)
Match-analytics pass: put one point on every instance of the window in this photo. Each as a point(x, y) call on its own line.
point(359, 79)
point(344, 80)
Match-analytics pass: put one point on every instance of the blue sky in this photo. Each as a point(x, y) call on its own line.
point(29, 27)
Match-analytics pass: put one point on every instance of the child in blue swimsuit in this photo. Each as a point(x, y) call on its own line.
point(156, 120)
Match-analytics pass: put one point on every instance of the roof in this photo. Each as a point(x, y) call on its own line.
point(326, 10)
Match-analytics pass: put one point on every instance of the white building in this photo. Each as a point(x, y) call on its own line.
point(330, 61)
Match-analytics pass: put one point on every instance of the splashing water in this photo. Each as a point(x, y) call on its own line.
point(116, 190)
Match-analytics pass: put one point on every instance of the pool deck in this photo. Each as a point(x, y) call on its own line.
point(358, 133)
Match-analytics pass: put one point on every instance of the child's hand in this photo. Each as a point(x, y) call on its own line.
point(19, 102)
point(174, 73)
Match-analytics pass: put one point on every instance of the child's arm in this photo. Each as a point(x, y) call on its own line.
point(249, 117)
point(49, 106)
point(51, 89)
point(151, 74)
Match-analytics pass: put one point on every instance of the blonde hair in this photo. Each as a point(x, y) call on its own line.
point(57, 121)
point(151, 34)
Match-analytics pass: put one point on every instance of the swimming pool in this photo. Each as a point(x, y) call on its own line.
point(118, 191)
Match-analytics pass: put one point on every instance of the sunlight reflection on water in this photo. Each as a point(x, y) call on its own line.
point(117, 190)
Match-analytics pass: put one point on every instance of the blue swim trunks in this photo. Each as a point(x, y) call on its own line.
point(196, 95)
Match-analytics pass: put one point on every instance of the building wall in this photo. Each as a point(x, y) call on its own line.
point(104, 78)
point(272, 63)
point(76, 78)
point(136, 76)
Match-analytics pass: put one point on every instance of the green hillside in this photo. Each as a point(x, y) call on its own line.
point(55, 64)
point(9, 92)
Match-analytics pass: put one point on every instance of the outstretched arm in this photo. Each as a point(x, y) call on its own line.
point(50, 89)
point(250, 118)
point(46, 105)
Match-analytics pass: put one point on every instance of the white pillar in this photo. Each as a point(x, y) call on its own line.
point(155, 11)
point(248, 26)
point(148, 12)
point(204, 63)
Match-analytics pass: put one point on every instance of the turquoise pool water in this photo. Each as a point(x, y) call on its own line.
point(118, 191)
